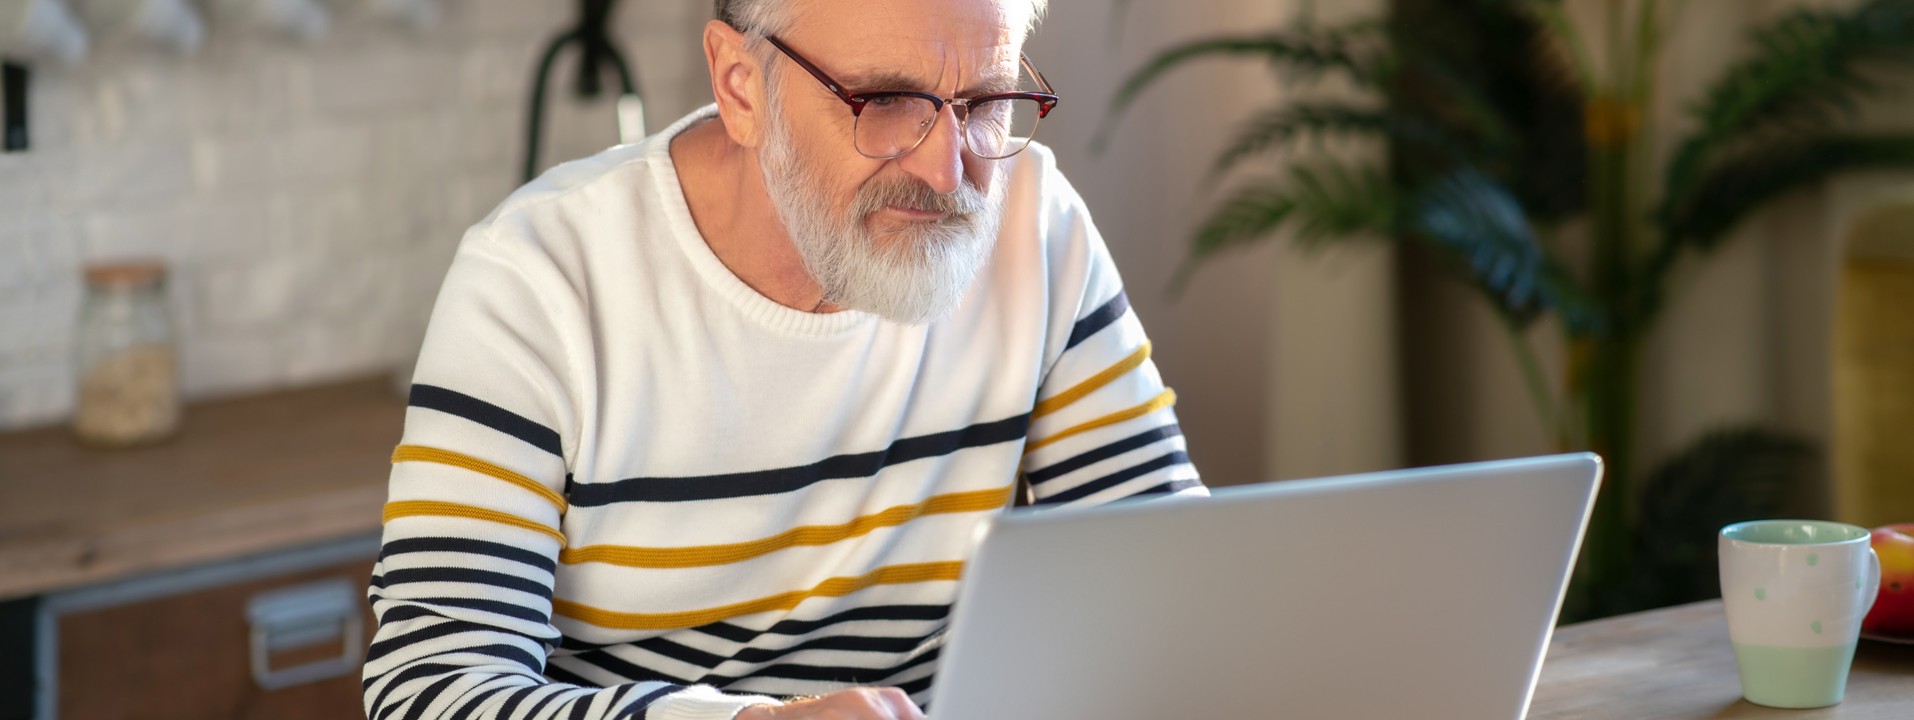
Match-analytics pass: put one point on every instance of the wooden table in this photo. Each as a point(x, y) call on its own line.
point(243, 476)
point(1676, 663)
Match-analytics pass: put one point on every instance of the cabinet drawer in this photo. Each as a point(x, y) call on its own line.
point(190, 653)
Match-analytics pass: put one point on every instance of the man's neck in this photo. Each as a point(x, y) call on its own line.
point(724, 188)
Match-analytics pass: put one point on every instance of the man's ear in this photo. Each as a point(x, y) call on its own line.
point(737, 81)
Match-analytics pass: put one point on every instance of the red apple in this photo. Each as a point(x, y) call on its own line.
point(1893, 613)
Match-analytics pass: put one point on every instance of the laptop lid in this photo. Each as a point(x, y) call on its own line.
point(1417, 593)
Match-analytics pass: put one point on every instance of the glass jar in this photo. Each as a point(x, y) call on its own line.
point(124, 357)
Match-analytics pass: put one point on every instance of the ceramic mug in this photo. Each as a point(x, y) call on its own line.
point(1795, 592)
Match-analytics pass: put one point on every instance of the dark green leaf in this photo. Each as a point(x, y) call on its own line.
point(1307, 53)
point(1288, 122)
point(1736, 187)
point(1811, 70)
point(1324, 202)
point(1727, 476)
point(1476, 218)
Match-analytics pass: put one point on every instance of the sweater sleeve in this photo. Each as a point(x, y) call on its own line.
point(463, 587)
point(1104, 426)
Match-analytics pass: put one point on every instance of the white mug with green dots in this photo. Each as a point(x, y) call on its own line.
point(1796, 591)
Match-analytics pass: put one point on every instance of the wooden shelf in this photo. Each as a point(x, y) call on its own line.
point(243, 476)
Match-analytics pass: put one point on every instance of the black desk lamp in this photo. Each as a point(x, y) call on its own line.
point(593, 39)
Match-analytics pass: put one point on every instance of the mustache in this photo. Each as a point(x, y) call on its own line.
point(965, 202)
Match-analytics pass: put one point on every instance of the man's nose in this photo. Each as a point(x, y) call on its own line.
point(939, 159)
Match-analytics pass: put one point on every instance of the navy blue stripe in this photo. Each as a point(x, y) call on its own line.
point(385, 647)
point(818, 673)
point(680, 652)
point(1114, 479)
point(402, 677)
point(1142, 439)
point(566, 676)
point(643, 705)
point(491, 606)
point(618, 695)
point(782, 480)
point(468, 546)
point(623, 668)
point(846, 643)
point(423, 700)
point(744, 635)
point(513, 702)
point(471, 577)
point(582, 705)
point(1099, 319)
point(542, 702)
point(879, 612)
point(453, 402)
point(503, 652)
point(471, 704)
point(702, 659)
point(402, 613)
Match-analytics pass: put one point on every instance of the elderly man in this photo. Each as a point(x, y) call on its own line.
point(702, 426)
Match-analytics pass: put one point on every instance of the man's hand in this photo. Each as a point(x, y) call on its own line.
point(858, 703)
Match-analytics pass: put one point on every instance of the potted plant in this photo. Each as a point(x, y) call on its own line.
point(1502, 129)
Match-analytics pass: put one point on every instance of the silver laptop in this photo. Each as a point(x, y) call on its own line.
point(1427, 593)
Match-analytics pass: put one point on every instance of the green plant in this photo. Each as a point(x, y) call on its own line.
point(1502, 128)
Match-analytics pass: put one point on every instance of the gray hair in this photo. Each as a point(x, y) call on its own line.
point(758, 18)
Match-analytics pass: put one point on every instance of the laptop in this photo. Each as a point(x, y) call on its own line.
point(1427, 593)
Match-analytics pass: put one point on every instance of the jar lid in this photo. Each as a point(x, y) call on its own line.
point(125, 275)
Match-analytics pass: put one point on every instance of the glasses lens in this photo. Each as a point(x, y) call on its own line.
point(1001, 128)
point(891, 125)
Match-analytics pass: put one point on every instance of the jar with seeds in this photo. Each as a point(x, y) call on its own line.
point(124, 357)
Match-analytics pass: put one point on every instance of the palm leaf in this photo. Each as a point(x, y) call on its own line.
point(1811, 71)
point(1324, 202)
point(1479, 221)
point(1283, 124)
point(1737, 187)
point(1307, 53)
point(1489, 72)
point(1740, 185)
point(1480, 226)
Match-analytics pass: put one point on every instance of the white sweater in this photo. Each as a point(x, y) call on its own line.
point(630, 486)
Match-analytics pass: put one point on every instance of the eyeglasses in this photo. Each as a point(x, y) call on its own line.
point(890, 124)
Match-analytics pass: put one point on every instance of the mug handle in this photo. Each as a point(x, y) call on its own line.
point(1873, 580)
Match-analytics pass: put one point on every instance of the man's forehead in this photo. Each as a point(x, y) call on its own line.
point(914, 44)
point(946, 17)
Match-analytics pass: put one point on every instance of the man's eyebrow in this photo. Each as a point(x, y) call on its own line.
point(882, 81)
point(994, 81)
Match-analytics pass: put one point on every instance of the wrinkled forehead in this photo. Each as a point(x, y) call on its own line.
point(923, 44)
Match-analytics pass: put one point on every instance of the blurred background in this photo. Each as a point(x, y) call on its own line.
point(1677, 233)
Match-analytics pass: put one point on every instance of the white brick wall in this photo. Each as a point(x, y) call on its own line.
point(306, 197)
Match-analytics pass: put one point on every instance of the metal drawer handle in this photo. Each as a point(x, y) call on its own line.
point(301, 616)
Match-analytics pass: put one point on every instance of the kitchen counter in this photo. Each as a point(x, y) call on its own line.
point(243, 476)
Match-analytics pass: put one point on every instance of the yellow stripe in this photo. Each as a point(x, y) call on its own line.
point(834, 587)
point(1098, 380)
point(1162, 400)
point(704, 555)
point(413, 508)
point(418, 453)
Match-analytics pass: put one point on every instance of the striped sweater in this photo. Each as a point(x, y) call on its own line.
point(630, 486)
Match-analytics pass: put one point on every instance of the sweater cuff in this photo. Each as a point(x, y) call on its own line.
point(703, 702)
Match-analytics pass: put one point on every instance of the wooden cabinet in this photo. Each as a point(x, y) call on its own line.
point(126, 575)
point(183, 645)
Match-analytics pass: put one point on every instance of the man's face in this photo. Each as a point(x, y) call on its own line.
point(901, 238)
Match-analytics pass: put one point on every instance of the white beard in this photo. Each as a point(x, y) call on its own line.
point(914, 273)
